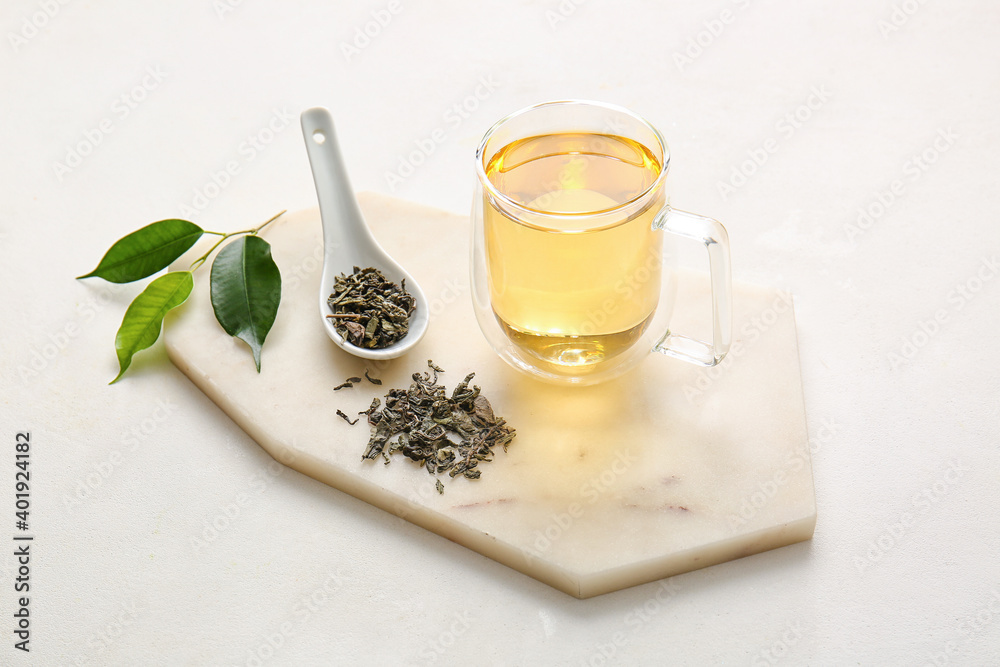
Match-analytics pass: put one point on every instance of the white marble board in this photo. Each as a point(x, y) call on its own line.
point(668, 469)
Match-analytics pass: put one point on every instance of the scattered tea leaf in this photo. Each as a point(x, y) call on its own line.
point(340, 413)
point(246, 291)
point(371, 408)
point(440, 433)
point(439, 486)
point(349, 382)
point(144, 318)
point(371, 379)
point(146, 251)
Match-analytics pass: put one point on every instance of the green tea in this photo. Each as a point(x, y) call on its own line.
point(568, 290)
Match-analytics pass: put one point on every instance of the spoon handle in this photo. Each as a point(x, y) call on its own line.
point(343, 224)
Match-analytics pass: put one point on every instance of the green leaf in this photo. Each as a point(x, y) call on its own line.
point(246, 291)
point(141, 326)
point(146, 251)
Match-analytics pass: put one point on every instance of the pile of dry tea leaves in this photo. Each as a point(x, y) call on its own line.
point(442, 434)
point(369, 309)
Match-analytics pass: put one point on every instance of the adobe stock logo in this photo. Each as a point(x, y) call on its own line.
point(897, 530)
point(704, 38)
point(561, 522)
point(363, 35)
point(565, 9)
point(220, 179)
point(901, 14)
point(31, 25)
point(884, 199)
point(785, 127)
point(927, 328)
point(121, 108)
point(454, 116)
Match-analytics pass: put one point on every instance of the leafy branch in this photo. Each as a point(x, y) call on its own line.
point(245, 283)
point(252, 232)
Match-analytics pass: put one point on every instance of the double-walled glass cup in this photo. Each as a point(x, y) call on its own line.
point(573, 252)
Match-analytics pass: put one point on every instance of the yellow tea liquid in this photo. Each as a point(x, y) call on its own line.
point(573, 290)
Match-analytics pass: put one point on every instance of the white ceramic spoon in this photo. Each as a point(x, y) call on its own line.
point(347, 241)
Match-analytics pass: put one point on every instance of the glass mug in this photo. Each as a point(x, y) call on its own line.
point(573, 275)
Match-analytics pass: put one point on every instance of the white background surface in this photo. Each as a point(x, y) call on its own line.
point(125, 477)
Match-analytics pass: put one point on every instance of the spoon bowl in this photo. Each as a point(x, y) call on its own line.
point(347, 240)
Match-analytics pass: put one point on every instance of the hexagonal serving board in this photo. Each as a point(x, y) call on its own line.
point(668, 469)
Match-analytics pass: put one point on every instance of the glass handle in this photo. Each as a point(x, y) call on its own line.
point(713, 235)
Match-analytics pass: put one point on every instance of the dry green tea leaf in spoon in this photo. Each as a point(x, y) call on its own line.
point(369, 310)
